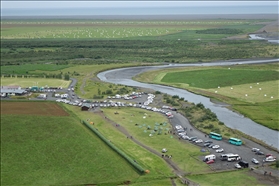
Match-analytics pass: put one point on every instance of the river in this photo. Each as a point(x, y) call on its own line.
point(231, 119)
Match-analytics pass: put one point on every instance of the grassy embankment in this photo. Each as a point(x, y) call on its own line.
point(249, 89)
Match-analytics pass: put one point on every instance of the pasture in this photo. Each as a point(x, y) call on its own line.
point(29, 82)
point(51, 150)
point(65, 29)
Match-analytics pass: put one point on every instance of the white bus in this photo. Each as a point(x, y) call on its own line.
point(230, 157)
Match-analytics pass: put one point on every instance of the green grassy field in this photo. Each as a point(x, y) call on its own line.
point(27, 68)
point(214, 78)
point(29, 82)
point(57, 151)
point(249, 89)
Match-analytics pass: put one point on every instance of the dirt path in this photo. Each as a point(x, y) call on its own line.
point(179, 173)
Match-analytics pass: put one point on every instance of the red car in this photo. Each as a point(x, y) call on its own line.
point(210, 161)
point(269, 155)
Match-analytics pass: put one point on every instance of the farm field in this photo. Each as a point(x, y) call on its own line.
point(55, 150)
point(105, 42)
point(249, 89)
point(29, 82)
point(65, 29)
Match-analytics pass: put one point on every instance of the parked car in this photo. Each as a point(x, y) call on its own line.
point(220, 150)
point(208, 141)
point(206, 144)
point(199, 141)
point(268, 155)
point(254, 160)
point(255, 149)
point(259, 153)
point(164, 150)
point(215, 146)
point(192, 138)
point(269, 158)
point(211, 145)
point(185, 137)
point(210, 161)
point(237, 166)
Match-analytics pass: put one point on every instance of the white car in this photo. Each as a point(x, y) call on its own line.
point(199, 141)
point(255, 161)
point(215, 146)
point(220, 150)
point(237, 166)
point(255, 149)
point(269, 158)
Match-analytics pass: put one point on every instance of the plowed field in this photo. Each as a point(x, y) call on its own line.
point(32, 108)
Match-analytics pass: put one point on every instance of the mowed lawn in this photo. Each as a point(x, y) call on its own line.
point(51, 150)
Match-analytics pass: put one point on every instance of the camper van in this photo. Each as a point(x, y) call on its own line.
point(209, 157)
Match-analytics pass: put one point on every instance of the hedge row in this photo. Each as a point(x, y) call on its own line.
point(121, 153)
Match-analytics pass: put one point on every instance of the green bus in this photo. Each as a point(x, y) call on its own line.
point(235, 141)
point(214, 135)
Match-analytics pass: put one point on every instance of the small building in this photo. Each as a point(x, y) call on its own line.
point(85, 106)
point(17, 92)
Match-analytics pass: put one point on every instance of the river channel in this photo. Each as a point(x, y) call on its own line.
point(231, 119)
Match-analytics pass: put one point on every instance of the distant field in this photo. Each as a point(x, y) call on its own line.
point(65, 29)
point(29, 82)
point(50, 150)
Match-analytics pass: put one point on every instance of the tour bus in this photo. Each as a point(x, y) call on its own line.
point(233, 157)
point(214, 135)
point(209, 157)
point(235, 141)
point(230, 157)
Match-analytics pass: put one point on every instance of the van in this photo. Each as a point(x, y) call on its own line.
point(209, 157)
point(243, 164)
